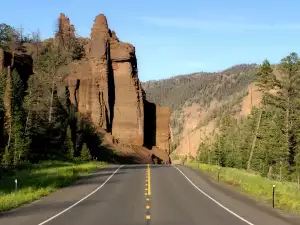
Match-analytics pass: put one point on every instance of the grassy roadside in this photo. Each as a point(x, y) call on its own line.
point(287, 197)
point(40, 180)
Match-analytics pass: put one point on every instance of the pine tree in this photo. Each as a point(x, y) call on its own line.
point(265, 80)
point(270, 145)
point(69, 146)
point(297, 168)
point(6, 157)
point(85, 153)
point(2, 89)
point(287, 99)
point(79, 134)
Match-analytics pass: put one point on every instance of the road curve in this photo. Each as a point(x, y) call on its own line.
point(137, 195)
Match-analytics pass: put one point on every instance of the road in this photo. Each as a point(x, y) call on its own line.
point(141, 195)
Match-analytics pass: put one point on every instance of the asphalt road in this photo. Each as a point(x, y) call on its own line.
point(138, 195)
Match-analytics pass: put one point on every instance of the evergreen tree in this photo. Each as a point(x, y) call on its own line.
point(7, 158)
point(2, 89)
point(7, 35)
point(287, 100)
point(69, 146)
point(297, 168)
point(79, 134)
point(85, 153)
point(265, 78)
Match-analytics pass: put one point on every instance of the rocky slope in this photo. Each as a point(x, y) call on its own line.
point(197, 99)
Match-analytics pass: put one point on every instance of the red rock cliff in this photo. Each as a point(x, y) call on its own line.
point(1, 59)
point(105, 87)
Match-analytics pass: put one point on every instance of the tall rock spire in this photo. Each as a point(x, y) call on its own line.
point(65, 32)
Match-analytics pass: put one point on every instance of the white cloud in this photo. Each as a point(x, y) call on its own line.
point(189, 23)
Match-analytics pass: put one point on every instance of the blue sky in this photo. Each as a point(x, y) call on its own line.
point(177, 37)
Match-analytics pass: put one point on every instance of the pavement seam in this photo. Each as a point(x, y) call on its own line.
point(76, 203)
point(212, 199)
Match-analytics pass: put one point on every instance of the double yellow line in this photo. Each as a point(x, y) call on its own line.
point(148, 181)
point(148, 193)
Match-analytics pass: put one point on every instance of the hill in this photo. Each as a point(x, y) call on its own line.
point(196, 99)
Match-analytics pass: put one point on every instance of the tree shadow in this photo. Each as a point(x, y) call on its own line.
point(111, 93)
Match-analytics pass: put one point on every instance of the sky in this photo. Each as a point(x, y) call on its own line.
point(176, 37)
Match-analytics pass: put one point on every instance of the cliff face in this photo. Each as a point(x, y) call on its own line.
point(1, 59)
point(105, 88)
point(163, 135)
point(23, 63)
point(128, 122)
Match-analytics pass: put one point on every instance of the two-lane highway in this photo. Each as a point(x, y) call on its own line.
point(140, 195)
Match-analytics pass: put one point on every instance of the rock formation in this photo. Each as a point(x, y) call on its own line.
point(23, 63)
point(105, 88)
point(1, 59)
point(128, 122)
point(66, 31)
point(163, 135)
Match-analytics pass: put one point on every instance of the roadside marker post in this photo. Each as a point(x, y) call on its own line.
point(219, 174)
point(16, 185)
point(273, 194)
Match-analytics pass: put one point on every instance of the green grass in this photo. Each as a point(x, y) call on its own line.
point(40, 180)
point(287, 197)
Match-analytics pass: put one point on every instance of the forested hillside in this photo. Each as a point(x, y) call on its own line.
point(37, 120)
point(202, 89)
point(268, 139)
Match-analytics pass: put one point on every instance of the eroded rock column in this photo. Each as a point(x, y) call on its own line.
point(128, 123)
point(98, 60)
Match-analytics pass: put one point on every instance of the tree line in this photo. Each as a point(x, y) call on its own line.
point(268, 140)
point(37, 120)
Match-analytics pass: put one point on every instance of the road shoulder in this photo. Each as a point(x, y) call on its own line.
point(236, 201)
point(46, 207)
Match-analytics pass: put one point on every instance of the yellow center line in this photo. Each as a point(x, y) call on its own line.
point(149, 180)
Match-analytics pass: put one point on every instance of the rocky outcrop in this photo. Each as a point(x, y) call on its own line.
point(66, 31)
point(128, 122)
point(157, 130)
point(98, 57)
point(163, 135)
point(105, 88)
point(23, 63)
point(1, 59)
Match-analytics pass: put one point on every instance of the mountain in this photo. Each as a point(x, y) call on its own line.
point(197, 99)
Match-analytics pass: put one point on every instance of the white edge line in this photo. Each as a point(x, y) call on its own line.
point(76, 203)
point(215, 201)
